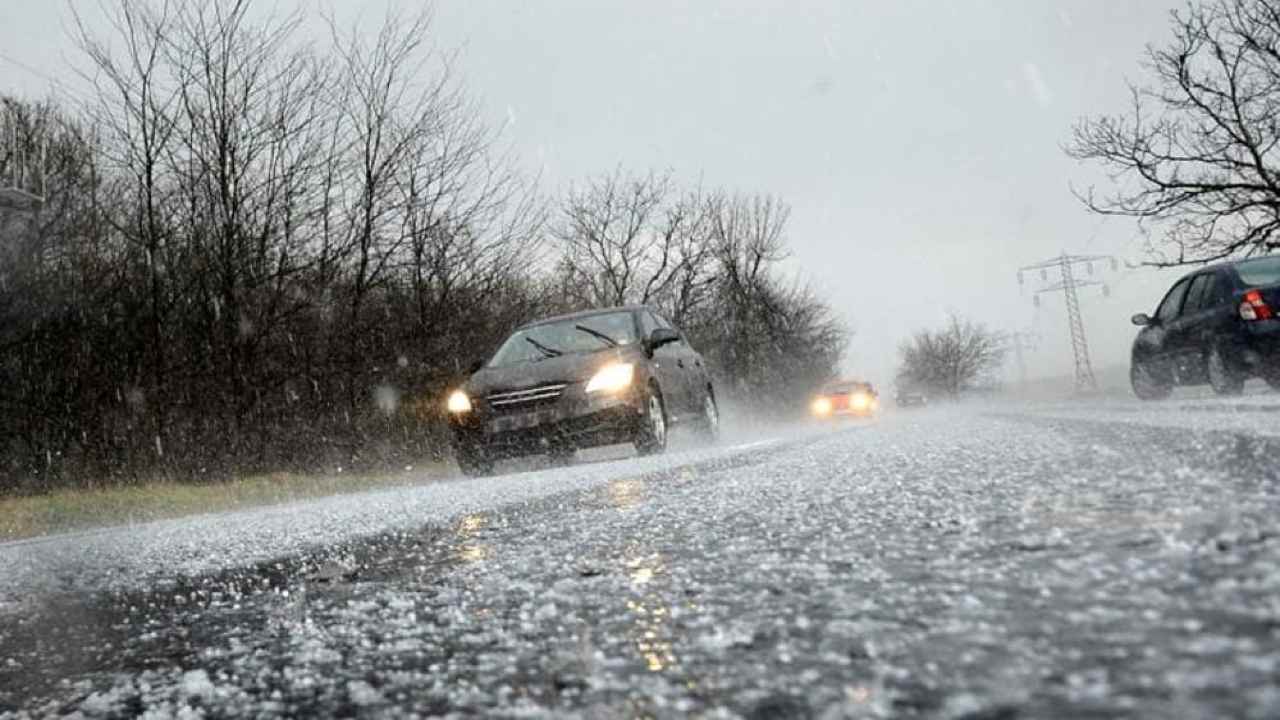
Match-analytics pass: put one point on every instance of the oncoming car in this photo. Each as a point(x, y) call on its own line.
point(1219, 325)
point(845, 398)
point(600, 377)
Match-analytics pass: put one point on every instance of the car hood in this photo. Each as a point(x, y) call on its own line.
point(568, 369)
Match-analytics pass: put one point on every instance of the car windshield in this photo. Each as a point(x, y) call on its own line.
point(1262, 271)
point(566, 337)
point(846, 388)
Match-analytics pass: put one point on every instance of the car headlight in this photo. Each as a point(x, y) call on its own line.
point(459, 402)
point(860, 401)
point(822, 406)
point(612, 378)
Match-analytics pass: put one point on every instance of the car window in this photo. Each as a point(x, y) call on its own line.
point(664, 323)
point(648, 323)
point(1213, 295)
point(1199, 295)
point(1261, 271)
point(1172, 305)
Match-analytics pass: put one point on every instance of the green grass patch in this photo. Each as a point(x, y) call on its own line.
point(70, 510)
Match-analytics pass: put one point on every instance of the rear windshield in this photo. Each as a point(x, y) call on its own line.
point(566, 337)
point(1263, 271)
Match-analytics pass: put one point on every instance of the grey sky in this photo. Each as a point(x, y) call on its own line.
point(919, 143)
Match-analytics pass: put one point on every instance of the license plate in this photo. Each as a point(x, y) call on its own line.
point(523, 421)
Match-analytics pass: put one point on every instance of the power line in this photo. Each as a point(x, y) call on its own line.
point(58, 84)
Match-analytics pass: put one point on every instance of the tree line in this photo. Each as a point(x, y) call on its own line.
point(261, 253)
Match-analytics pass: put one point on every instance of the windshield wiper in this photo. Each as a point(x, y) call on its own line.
point(546, 351)
point(598, 334)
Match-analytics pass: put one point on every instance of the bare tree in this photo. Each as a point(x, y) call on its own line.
point(135, 112)
point(624, 239)
point(951, 360)
point(1196, 155)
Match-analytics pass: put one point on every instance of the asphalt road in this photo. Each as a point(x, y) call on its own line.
point(1108, 560)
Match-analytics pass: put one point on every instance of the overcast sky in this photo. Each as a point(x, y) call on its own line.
point(917, 142)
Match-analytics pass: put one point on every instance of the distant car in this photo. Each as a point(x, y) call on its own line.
point(1217, 326)
point(845, 398)
point(601, 377)
point(910, 398)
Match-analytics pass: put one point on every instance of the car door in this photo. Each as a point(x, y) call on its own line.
point(692, 368)
point(686, 366)
point(1185, 340)
point(1207, 318)
point(1153, 347)
point(667, 361)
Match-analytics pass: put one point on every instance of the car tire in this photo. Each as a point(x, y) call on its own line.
point(474, 462)
point(709, 422)
point(651, 435)
point(1146, 386)
point(1222, 378)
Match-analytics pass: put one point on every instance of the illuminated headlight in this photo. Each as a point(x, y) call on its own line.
point(822, 406)
point(459, 402)
point(860, 401)
point(612, 378)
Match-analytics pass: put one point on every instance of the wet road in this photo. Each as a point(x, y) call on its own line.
point(1003, 562)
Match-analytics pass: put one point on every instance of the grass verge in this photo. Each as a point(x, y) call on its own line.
point(71, 510)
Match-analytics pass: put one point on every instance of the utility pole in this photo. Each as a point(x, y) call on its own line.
point(1068, 285)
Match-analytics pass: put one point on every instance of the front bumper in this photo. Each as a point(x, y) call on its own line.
point(574, 420)
point(850, 412)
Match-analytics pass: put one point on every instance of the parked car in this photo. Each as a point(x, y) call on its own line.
point(845, 398)
point(601, 377)
point(910, 398)
point(1217, 325)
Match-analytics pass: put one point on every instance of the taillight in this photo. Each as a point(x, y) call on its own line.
point(1253, 307)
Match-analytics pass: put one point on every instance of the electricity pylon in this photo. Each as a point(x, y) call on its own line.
point(1068, 285)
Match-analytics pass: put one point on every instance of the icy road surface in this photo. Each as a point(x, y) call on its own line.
point(985, 563)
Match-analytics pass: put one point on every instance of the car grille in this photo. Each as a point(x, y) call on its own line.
point(522, 399)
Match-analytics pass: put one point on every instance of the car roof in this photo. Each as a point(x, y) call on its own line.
point(585, 314)
point(1223, 265)
point(842, 385)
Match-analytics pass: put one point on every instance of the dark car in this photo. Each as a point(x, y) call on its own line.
point(910, 398)
point(1217, 325)
point(845, 398)
point(594, 378)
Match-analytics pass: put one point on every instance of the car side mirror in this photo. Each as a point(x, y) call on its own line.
point(660, 337)
point(1142, 319)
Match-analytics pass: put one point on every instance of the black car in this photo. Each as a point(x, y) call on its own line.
point(601, 377)
point(1217, 325)
point(910, 398)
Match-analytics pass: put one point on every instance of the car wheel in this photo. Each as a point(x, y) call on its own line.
point(1146, 385)
point(651, 437)
point(709, 423)
point(474, 462)
point(1222, 378)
